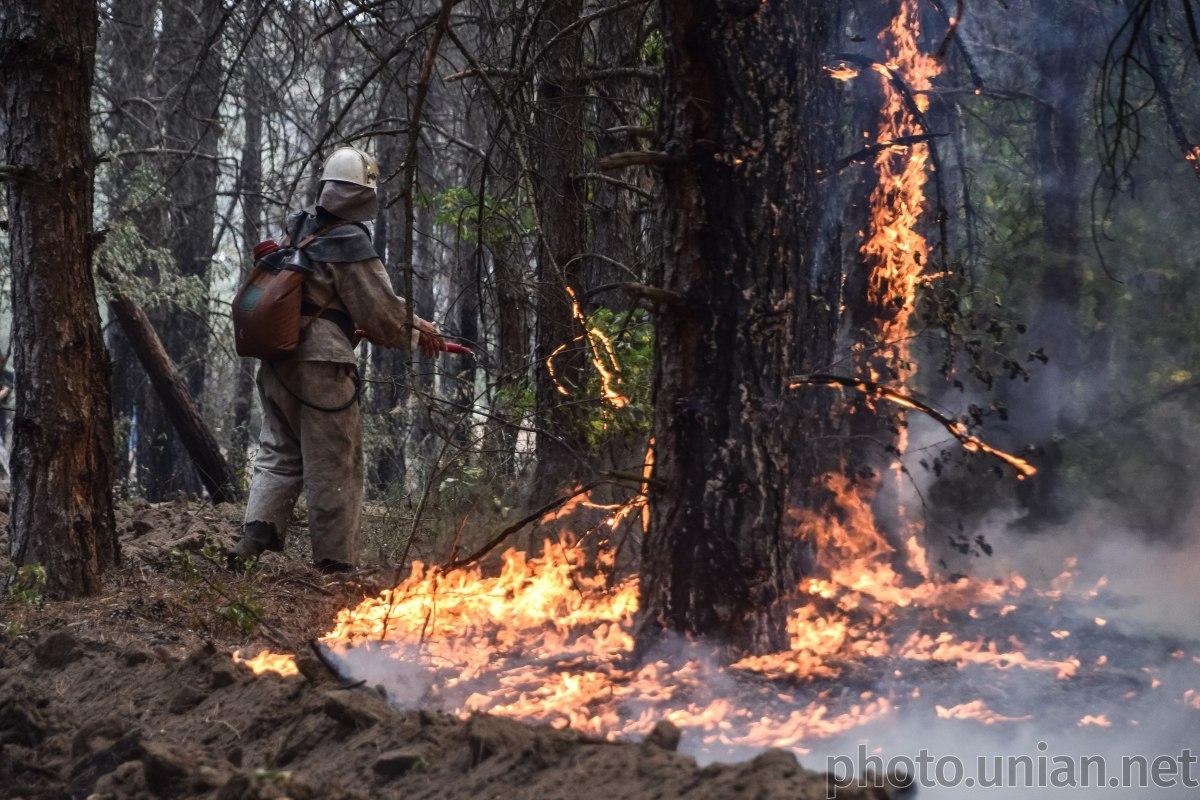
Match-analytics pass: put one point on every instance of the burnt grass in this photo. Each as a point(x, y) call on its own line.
point(135, 694)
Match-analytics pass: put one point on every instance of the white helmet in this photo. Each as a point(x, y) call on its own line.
point(351, 165)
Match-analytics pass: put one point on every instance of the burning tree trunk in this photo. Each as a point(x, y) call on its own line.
point(738, 89)
point(62, 511)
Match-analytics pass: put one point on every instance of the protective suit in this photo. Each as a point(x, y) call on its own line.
point(311, 438)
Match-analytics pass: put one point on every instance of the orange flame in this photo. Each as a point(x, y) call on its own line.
point(281, 664)
point(976, 710)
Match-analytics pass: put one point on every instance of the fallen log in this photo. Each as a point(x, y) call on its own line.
point(181, 410)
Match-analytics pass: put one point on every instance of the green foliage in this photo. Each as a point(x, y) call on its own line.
point(654, 48)
point(459, 208)
point(241, 608)
point(28, 585)
point(145, 273)
point(632, 338)
point(243, 613)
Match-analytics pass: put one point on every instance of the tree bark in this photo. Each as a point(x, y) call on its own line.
point(614, 218)
point(62, 508)
point(557, 152)
point(391, 366)
point(513, 310)
point(739, 82)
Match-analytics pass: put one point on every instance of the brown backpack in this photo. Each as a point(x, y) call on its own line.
point(268, 306)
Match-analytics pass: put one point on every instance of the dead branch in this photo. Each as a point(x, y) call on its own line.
point(865, 154)
point(534, 516)
point(478, 72)
point(954, 427)
point(637, 131)
point(634, 158)
point(15, 173)
point(620, 184)
point(654, 294)
point(648, 74)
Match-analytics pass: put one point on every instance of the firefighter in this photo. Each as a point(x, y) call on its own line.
point(311, 436)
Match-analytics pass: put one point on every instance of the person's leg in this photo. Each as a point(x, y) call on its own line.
point(278, 468)
point(331, 445)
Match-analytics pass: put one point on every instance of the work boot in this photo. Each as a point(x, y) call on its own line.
point(255, 539)
point(330, 566)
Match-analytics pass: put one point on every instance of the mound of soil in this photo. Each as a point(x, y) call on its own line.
point(135, 694)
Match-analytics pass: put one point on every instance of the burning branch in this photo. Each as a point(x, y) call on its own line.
point(534, 516)
point(956, 428)
point(863, 155)
point(951, 29)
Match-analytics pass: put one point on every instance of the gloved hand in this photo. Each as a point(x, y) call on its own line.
point(428, 339)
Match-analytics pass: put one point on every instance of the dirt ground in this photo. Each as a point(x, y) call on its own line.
point(135, 694)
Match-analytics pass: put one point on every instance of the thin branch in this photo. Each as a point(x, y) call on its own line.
point(634, 158)
point(954, 427)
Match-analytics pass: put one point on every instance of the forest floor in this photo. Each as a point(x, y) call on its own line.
point(136, 694)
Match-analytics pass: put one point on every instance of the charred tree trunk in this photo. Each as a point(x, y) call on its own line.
point(557, 151)
point(62, 509)
point(739, 228)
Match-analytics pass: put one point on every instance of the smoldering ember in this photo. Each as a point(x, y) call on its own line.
point(676, 399)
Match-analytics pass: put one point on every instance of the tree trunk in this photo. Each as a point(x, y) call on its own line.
point(250, 189)
point(557, 152)
point(512, 311)
point(1043, 408)
point(614, 218)
point(132, 125)
point(191, 80)
point(62, 510)
point(391, 366)
point(459, 373)
point(739, 229)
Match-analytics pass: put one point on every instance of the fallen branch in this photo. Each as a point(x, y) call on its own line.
point(956, 428)
point(534, 516)
point(181, 409)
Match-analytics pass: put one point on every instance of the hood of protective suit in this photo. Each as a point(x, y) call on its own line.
point(349, 201)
